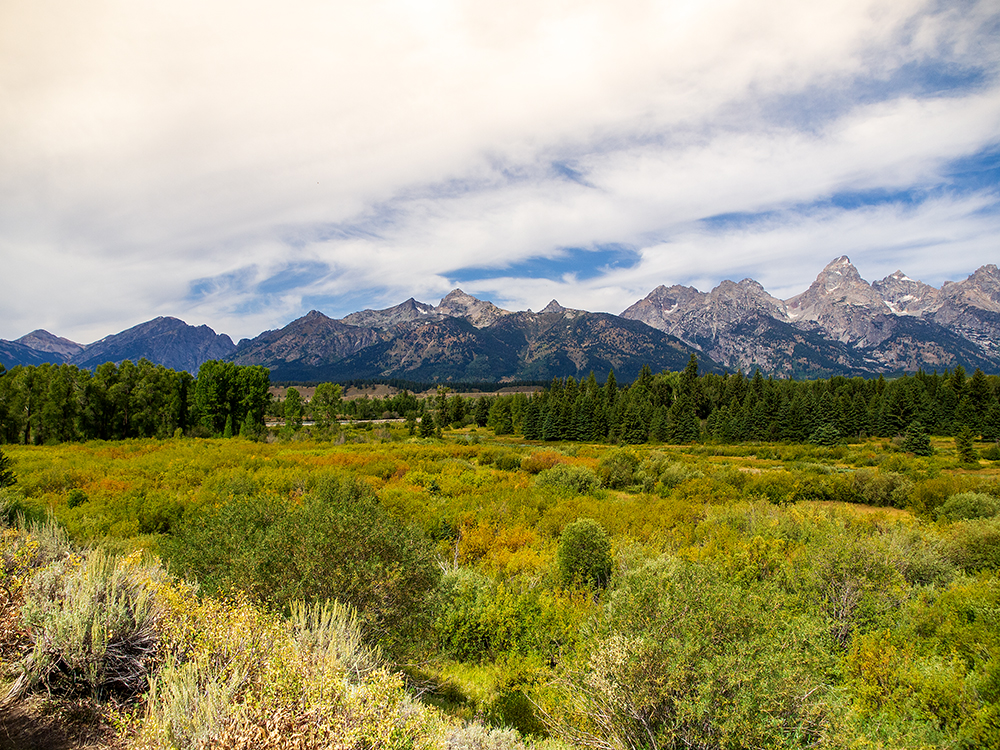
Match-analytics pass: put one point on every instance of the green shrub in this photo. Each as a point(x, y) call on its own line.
point(539, 461)
point(684, 658)
point(777, 487)
point(584, 554)
point(658, 469)
point(992, 453)
point(578, 479)
point(617, 468)
point(13, 507)
point(880, 488)
point(479, 620)
point(966, 506)
point(975, 545)
point(338, 542)
point(508, 462)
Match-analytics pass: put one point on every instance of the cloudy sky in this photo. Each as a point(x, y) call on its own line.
point(237, 164)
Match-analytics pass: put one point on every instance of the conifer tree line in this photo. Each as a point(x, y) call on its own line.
point(683, 407)
point(59, 403)
point(52, 403)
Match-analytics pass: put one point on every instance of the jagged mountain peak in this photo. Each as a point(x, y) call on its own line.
point(837, 286)
point(906, 296)
point(552, 307)
point(981, 289)
point(480, 313)
point(404, 312)
point(457, 296)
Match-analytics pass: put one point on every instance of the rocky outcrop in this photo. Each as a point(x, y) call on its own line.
point(480, 313)
point(971, 309)
point(391, 316)
point(906, 296)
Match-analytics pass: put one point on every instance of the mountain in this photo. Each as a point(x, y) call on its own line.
point(906, 296)
point(43, 341)
point(305, 344)
point(461, 339)
point(164, 341)
point(971, 309)
point(841, 324)
point(745, 328)
point(401, 313)
point(13, 354)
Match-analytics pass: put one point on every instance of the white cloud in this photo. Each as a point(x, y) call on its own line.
point(143, 147)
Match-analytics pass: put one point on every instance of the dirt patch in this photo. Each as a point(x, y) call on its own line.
point(40, 722)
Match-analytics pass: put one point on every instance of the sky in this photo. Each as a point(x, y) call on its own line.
point(237, 164)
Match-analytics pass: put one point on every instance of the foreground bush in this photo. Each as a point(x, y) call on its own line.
point(969, 505)
point(337, 542)
point(683, 658)
point(94, 627)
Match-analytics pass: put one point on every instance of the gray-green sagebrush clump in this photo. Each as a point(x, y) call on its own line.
point(93, 625)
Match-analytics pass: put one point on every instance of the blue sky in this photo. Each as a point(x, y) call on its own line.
point(237, 165)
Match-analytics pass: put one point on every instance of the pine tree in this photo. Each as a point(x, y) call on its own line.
point(7, 476)
point(991, 422)
point(917, 441)
point(964, 446)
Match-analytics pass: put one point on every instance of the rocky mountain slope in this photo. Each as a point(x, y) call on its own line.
point(840, 324)
point(165, 341)
point(42, 341)
point(462, 338)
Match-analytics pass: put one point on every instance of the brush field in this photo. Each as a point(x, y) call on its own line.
point(484, 591)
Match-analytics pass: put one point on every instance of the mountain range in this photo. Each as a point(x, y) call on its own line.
point(840, 325)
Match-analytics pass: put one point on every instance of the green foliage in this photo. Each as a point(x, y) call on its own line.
point(477, 619)
point(975, 545)
point(7, 475)
point(917, 441)
point(578, 479)
point(858, 582)
point(336, 543)
point(968, 505)
point(617, 467)
point(326, 404)
point(965, 447)
point(683, 658)
point(228, 393)
point(584, 554)
point(293, 409)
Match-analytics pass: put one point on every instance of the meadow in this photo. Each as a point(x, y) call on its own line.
point(380, 589)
